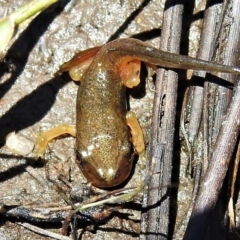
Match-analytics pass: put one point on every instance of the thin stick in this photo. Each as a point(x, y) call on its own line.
point(43, 232)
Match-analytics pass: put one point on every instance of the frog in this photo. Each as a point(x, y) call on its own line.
point(108, 136)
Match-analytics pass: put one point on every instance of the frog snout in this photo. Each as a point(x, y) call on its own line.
point(108, 174)
point(105, 177)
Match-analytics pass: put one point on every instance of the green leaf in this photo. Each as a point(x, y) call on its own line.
point(7, 27)
point(8, 24)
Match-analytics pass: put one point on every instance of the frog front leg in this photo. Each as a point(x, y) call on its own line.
point(136, 132)
point(44, 138)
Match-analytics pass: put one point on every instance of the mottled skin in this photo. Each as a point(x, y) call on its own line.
point(105, 151)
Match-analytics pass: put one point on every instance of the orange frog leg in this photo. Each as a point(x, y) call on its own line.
point(79, 63)
point(130, 71)
point(44, 138)
point(136, 132)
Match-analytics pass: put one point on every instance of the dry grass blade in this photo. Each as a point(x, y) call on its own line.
point(43, 232)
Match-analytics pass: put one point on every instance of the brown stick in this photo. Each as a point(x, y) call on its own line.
point(155, 221)
point(212, 182)
point(224, 134)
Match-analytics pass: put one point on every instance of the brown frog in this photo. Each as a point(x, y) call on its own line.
point(105, 145)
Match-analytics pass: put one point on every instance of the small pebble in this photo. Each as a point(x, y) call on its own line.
point(19, 144)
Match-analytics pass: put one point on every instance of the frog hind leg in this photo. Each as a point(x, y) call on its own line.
point(129, 71)
point(136, 131)
point(79, 63)
point(44, 138)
